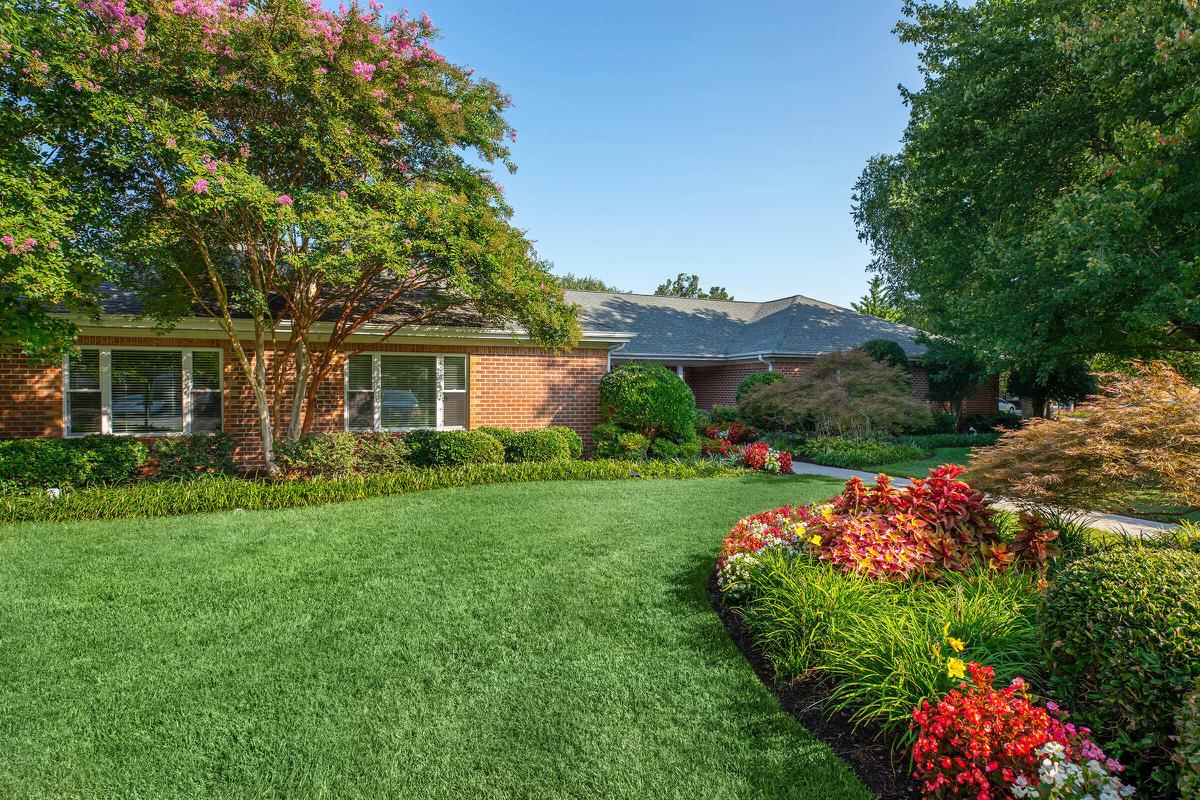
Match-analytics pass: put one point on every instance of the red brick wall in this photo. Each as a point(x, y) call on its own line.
point(717, 385)
point(983, 399)
point(509, 386)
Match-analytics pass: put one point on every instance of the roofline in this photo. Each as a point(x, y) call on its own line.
point(726, 357)
point(209, 325)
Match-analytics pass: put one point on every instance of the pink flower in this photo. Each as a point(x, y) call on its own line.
point(30, 242)
point(171, 143)
point(200, 186)
point(8, 241)
point(342, 194)
point(212, 167)
point(283, 200)
point(364, 70)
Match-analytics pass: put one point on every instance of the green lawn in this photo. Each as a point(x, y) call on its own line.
point(920, 468)
point(528, 640)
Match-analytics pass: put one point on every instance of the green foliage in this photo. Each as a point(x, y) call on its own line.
point(632, 446)
point(537, 445)
point(878, 303)
point(701, 421)
point(943, 423)
point(649, 399)
point(933, 441)
point(328, 455)
point(574, 440)
point(1072, 383)
point(221, 493)
point(1121, 638)
point(840, 393)
point(604, 440)
point(850, 453)
point(688, 286)
point(884, 644)
point(723, 414)
point(586, 283)
point(380, 452)
point(1187, 751)
point(756, 379)
point(1047, 180)
point(34, 464)
point(887, 352)
point(193, 455)
point(952, 370)
point(430, 448)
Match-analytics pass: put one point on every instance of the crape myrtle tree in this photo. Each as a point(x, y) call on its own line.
point(293, 172)
point(1045, 204)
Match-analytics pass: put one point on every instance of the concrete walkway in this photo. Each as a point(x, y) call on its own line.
point(1105, 522)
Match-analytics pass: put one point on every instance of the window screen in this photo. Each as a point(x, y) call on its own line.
point(83, 392)
point(147, 391)
point(408, 397)
point(454, 394)
point(360, 393)
point(206, 391)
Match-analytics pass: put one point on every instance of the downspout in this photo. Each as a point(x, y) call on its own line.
point(767, 361)
point(612, 349)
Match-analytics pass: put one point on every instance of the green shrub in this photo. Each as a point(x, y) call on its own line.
point(1187, 751)
point(380, 452)
point(690, 451)
point(454, 448)
point(723, 414)
point(885, 644)
point(503, 435)
point(1121, 638)
point(851, 453)
point(942, 423)
point(649, 399)
point(604, 440)
point(756, 379)
point(328, 455)
point(193, 455)
point(885, 351)
point(987, 423)
point(223, 493)
point(44, 463)
point(537, 445)
point(664, 449)
point(701, 421)
point(932, 441)
point(574, 440)
point(632, 446)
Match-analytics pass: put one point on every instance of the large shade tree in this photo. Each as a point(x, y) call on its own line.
point(302, 176)
point(1045, 204)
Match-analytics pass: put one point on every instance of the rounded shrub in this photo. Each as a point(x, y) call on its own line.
point(193, 455)
point(664, 449)
point(380, 452)
point(327, 455)
point(574, 440)
point(632, 446)
point(1187, 752)
point(885, 351)
point(454, 448)
point(67, 463)
point(604, 440)
point(537, 445)
point(754, 380)
point(1121, 639)
point(649, 399)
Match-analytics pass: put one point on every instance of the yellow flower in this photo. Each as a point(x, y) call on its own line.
point(946, 629)
point(956, 668)
point(815, 540)
point(957, 644)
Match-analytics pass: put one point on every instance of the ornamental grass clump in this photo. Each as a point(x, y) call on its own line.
point(983, 743)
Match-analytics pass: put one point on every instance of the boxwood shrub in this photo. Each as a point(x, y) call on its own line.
point(192, 455)
point(31, 464)
point(756, 379)
point(649, 399)
point(329, 455)
point(431, 448)
point(537, 445)
point(1121, 638)
point(574, 440)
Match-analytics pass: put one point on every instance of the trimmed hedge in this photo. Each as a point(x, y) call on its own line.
point(193, 455)
point(541, 445)
point(220, 493)
point(329, 455)
point(453, 448)
point(68, 463)
point(574, 440)
point(649, 399)
point(1121, 638)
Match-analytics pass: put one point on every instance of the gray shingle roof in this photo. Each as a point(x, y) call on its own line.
point(666, 327)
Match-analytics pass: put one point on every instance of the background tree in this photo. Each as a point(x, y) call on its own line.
point(1043, 206)
point(953, 372)
point(888, 352)
point(587, 283)
point(1071, 384)
point(878, 303)
point(277, 161)
point(688, 286)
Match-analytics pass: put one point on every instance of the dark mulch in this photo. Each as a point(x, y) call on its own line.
point(868, 753)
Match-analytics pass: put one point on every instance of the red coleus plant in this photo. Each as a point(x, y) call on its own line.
point(736, 432)
point(762, 457)
point(980, 743)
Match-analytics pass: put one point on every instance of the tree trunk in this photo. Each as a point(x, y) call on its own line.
point(299, 390)
point(259, 385)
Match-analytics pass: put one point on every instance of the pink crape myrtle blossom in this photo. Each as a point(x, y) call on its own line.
point(200, 186)
point(283, 200)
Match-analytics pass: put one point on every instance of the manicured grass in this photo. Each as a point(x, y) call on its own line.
point(919, 468)
point(545, 640)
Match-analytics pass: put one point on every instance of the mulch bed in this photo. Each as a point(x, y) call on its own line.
point(868, 753)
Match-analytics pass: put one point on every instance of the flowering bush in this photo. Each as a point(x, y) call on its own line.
point(762, 457)
point(735, 432)
point(779, 530)
point(979, 743)
point(720, 448)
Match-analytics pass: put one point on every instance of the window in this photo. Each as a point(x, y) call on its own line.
point(127, 391)
point(386, 391)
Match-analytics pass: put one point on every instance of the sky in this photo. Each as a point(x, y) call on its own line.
point(662, 137)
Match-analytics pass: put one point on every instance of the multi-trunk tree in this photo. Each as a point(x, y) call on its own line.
point(1045, 204)
point(300, 175)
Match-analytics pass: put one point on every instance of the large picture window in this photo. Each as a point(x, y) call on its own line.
point(389, 392)
point(129, 391)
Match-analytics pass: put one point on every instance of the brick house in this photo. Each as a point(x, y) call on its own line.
point(130, 378)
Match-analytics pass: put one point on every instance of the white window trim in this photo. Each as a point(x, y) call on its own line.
point(106, 423)
point(377, 390)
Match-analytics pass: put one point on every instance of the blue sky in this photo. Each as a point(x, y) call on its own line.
point(716, 139)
